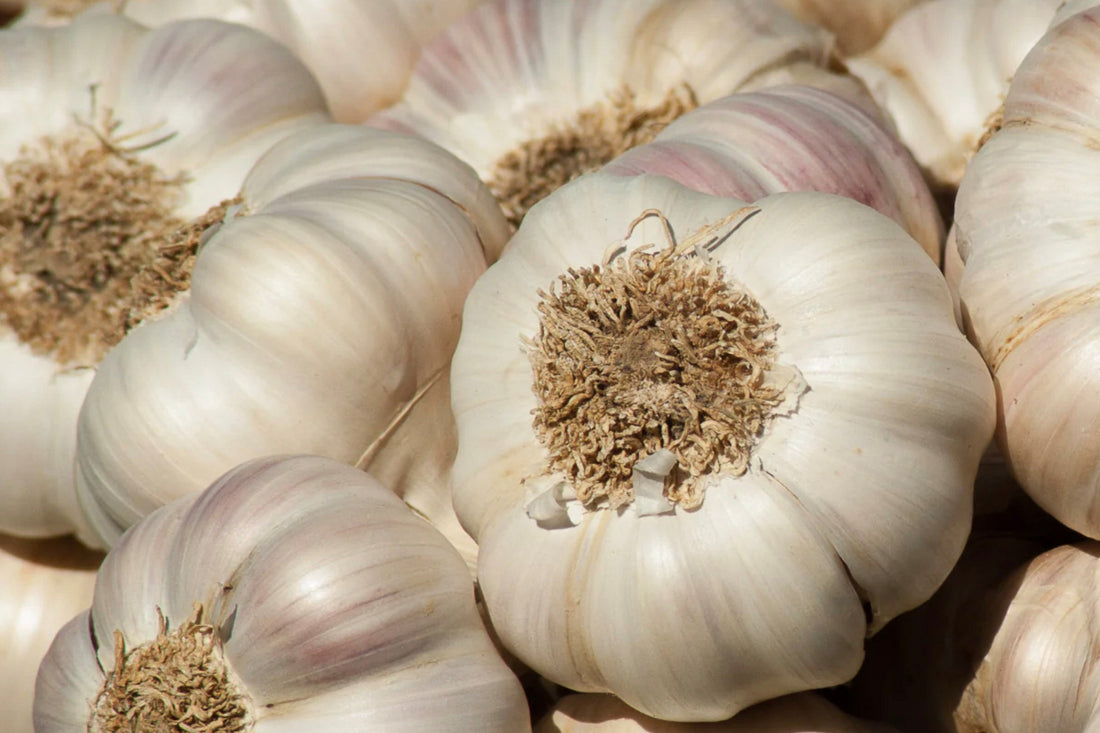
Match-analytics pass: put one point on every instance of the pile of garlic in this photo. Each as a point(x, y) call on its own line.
point(548, 365)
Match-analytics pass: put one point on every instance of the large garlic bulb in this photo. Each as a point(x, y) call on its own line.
point(294, 594)
point(534, 92)
point(792, 138)
point(1026, 231)
point(361, 51)
point(942, 70)
point(112, 137)
point(804, 712)
point(43, 584)
point(700, 473)
point(320, 318)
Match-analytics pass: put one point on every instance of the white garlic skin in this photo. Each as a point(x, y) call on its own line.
point(509, 69)
point(804, 712)
point(1026, 234)
point(857, 24)
point(760, 592)
point(941, 72)
point(43, 583)
point(312, 324)
point(224, 93)
point(792, 138)
point(329, 38)
point(341, 609)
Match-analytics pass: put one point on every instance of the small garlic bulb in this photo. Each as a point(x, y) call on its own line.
point(295, 593)
point(112, 137)
point(792, 138)
point(942, 70)
point(330, 38)
point(43, 584)
point(320, 317)
point(705, 447)
point(1027, 237)
point(804, 712)
point(532, 93)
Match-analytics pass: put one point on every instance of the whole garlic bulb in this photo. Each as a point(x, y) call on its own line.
point(112, 137)
point(1026, 234)
point(320, 318)
point(532, 93)
point(804, 712)
point(942, 70)
point(295, 593)
point(330, 38)
point(716, 510)
point(43, 584)
point(792, 138)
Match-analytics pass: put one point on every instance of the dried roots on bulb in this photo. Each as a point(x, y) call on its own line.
point(595, 136)
point(179, 681)
point(653, 350)
point(89, 242)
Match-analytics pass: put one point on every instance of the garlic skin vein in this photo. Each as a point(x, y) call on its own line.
point(373, 629)
point(200, 98)
point(762, 590)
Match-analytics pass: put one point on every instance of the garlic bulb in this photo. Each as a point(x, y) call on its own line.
point(1026, 233)
point(532, 92)
point(792, 138)
point(801, 713)
point(857, 24)
point(1040, 670)
point(331, 38)
point(942, 71)
point(791, 469)
point(321, 317)
point(294, 594)
point(112, 136)
point(43, 583)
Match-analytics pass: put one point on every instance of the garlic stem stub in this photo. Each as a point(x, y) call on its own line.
point(115, 141)
point(224, 612)
point(799, 359)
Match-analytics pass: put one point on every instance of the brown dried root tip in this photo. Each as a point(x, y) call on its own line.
point(651, 352)
point(176, 682)
point(566, 150)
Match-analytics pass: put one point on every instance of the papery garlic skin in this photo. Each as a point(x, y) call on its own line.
point(43, 583)
point(1040, 671)
point(801, 713)
point(373, 628)
point(330, 39)
point(942, 70)
point(322, 321)
point(509, 70)
point(1026, 233)
point(856, 502)
point(792, 138)
point(200, 98)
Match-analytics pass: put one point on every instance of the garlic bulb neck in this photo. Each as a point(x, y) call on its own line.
point(81, 214)
point(594, 136)
point(653, 351)
point(177, 681)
